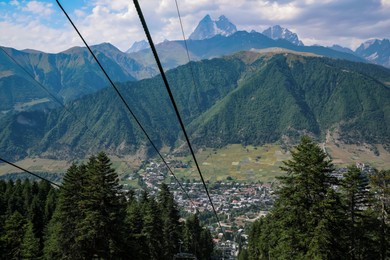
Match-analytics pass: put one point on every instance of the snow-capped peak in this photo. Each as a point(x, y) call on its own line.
point(137, 46)
point(375, 51)
point(277, 32)
point(208, 28)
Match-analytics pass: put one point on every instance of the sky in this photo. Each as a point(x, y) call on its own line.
point(41, 25)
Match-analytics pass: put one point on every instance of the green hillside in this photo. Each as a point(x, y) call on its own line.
point(290, 94)
point(67, 75)
point(249, 98)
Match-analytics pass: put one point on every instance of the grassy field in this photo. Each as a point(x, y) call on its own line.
point(121, 165)
point(23, 106)
point(239, 163)
point(234, 162)
point(248, 164)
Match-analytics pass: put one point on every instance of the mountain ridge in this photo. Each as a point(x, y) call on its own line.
point(277, 32)
point(249, 98)
point(208, 28)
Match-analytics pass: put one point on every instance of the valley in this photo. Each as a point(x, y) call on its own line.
point(292, 138)
point(233, 163)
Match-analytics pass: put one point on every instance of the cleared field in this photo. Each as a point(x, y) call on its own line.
point(251, 164)
point(234, 162)
point(344, 155)
point(22, 106)
point(245, 164)
point(121, 165)
point(36, 165)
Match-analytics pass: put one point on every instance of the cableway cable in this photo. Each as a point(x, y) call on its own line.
point(31, 173)
point(185, 43)
point(56, 99)
point(144, 25)
point(188, 55)
point(123, 100)
point(46, 90)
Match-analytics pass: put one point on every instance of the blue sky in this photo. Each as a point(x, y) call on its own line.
point(41, 25)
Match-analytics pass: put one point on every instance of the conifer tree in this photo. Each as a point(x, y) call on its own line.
point(307, 216)
point(170, 217)
point(380, 182)
point(152, 229)
point(13, 235)
point(68, 214)
point(53, 245)
point(192, 231)
point(136, 242)
point(30, 243)
point(206, 244)
point(102, 204)
point(355, 191)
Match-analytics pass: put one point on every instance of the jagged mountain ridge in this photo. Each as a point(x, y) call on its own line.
point(375, 51)
point(138, 46)
point(208, 28)
point(73, 73)
point(67, 75)
point(248, 98)
point(277, 32)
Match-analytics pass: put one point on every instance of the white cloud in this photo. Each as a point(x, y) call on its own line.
point(39, 8)
point(37, 36)
point(15, 3)
point(385, 3)
point(318, 22)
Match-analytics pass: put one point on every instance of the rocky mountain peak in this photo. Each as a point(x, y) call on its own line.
point(375, 51)
point(208, 28)
point(277, 32)
point(138, 46)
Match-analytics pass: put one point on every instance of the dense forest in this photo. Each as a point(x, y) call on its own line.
point(91, 217)
point(318, 216)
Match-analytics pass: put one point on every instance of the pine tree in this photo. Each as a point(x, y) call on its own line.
point(170, 218)
point(136, 242)
point(355, 190)
point(53, 245)
point(152, 229)
point(206, 244)
point(192, 232)
point(50, 205)
point(102, 203)
point(380, 182)
point(13, 235)
point(68, 215)
point(30, 244)
point(307, 216)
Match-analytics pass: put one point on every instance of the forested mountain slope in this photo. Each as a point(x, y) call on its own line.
point(249, 98)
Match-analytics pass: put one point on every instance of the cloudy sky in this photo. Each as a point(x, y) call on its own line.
point(41, 25)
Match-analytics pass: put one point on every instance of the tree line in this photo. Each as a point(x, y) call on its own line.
point(91, 217)
point(317, 216)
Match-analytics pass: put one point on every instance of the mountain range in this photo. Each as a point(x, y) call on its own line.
point(73, 73)
point(277, 32)
point(252, 97)
point(208, 28)
point(250, 88)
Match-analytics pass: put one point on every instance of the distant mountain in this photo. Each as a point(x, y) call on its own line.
point(73, 73)
point(248, 98)
point(375, 51)
point(276, 32)
point(208, 28)
point(342, 49)
point(67, 75)
point(138, 46)
point(173, 53)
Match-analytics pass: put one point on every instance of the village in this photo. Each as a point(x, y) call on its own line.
point(237, 204)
